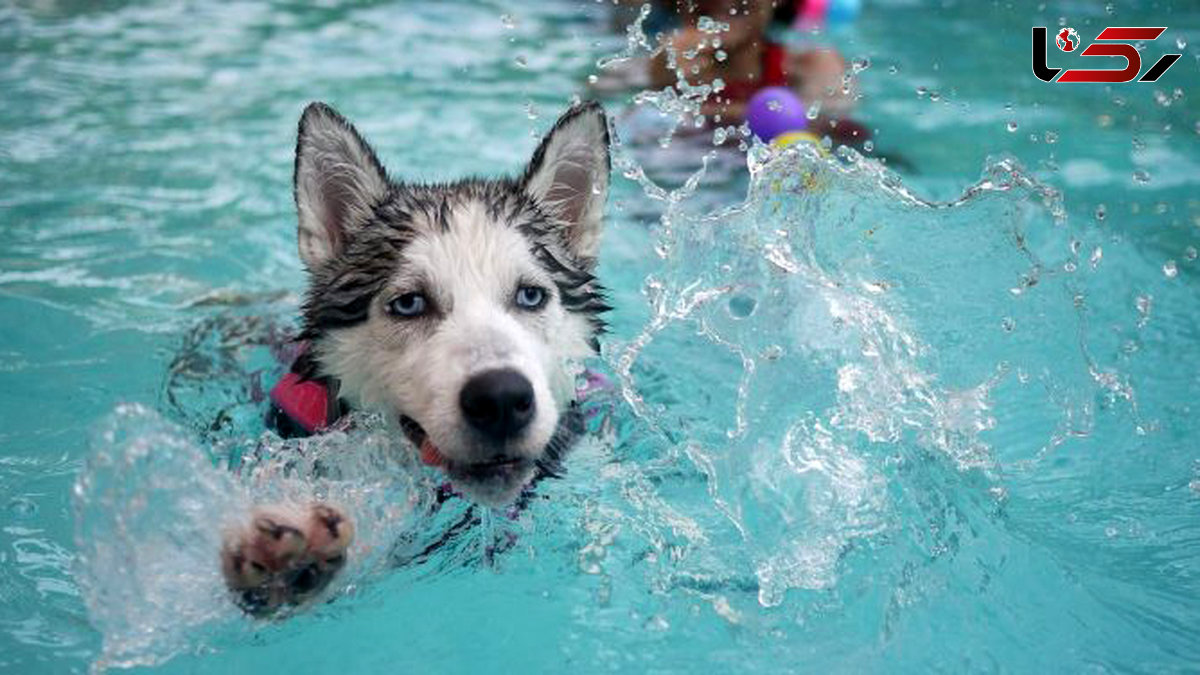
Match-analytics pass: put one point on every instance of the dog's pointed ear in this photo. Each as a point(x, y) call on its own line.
point(338, 181)
point(568, 176)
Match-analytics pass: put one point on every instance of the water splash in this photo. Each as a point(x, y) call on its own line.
point(837, 325)
point(151, 507)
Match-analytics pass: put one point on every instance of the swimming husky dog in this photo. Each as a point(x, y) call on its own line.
point(459, 310)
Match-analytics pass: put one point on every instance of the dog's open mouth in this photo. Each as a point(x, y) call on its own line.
point(498, 468)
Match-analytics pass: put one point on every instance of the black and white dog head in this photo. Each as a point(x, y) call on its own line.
point(459, 309)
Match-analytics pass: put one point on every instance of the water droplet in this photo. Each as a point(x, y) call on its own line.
point(1108, 7)
point(1110, 532)
point(1141, 176)
point(1008, 324)
point(868, 145)
point(1144, 304)
point(1101, 211)
point(521, 61)
point(893, 69)
point(813, 111)
point(1069, 267)
point(721, 55)
point(1097, 255)
point(774, 105)
point(707, 24)
point(921, 91)
point(772, 352)
point(508, 21)
point(592, 79)
point(1181, 42)
point(531, 110)
point(1011, 126)
point(1051, 137)
point(742, 306)
point(935, 96)
point(719, 136)
point(1189, 253)
point(1170, 269)
point(860, 64)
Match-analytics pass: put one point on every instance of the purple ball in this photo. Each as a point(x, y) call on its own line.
point(773, 111)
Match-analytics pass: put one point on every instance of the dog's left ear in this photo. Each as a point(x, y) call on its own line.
point(568, 176)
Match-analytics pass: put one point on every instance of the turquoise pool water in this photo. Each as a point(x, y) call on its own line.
point(933, 420)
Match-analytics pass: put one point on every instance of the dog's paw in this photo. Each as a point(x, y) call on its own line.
point(285, 555)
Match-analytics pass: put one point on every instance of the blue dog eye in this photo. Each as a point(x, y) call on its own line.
point(408, 305)
point(531, 297)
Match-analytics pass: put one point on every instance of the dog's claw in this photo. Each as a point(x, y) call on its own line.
point(285, 555)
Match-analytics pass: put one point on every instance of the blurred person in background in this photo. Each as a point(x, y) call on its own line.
point(706, 41)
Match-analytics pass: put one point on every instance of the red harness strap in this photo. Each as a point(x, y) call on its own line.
point(305, 402)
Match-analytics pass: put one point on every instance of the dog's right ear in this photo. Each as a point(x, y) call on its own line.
point(568, 176)
point(338, 182)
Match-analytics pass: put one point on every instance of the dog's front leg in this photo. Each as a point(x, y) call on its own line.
point(285, 555)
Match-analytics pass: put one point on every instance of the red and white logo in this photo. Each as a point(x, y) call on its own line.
point(1114, 41)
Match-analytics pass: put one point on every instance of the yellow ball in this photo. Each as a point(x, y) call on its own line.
point(793, 137)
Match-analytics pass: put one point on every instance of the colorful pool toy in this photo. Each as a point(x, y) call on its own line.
point(774, 111)
point(777, 116)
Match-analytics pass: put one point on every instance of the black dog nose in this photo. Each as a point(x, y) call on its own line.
point(498, 403)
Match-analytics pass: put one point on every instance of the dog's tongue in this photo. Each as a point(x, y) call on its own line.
point(430, 455)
